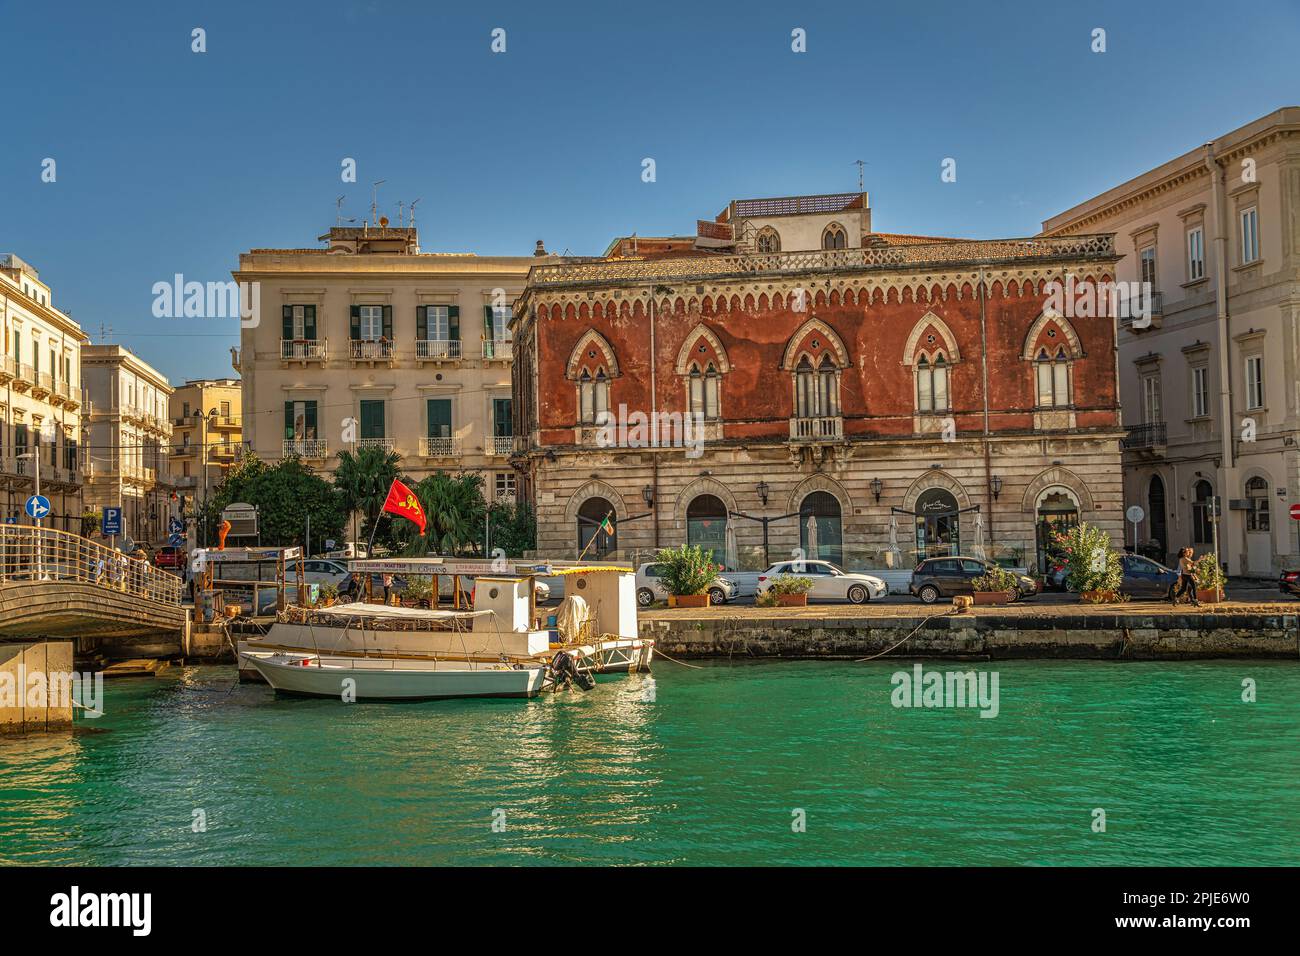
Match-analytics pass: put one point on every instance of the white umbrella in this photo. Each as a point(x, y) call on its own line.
point(979, 536)
point(731, 546)
point(812, 537)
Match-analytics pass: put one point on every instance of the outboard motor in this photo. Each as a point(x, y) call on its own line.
point(564, 671)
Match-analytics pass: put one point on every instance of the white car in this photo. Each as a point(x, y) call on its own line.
point(650, 587)
point(830, 581)
point(316, 571)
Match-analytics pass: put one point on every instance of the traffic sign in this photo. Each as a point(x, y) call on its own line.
point(1295, 512)
point(175, 525)
point(111, 524)
point(176, 540)
point(38, 506)
point(1135, 513)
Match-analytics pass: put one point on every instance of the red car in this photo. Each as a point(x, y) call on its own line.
point(169, 557)
point(1289, 583)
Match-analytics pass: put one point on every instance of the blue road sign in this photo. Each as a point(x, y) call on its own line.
point(38, 506)
point(176, 540)
point(175, 525)
point(11, 520)
point(112, 522)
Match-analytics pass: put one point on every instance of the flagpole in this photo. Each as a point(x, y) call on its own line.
point(596, 535)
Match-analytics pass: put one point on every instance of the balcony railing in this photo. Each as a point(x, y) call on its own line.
point(826, 428)
point(498, 349)
point(24, 374)
point(305, 447)
point(385, 443)
point(437, 348)
point(1148, 436)
point(304, 350)
point(369, 351)
point(502, 445)
point(444, 447)
point(49, 555)
point(918, 256)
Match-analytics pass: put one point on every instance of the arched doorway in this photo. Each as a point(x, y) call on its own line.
point(592, 524)
point(938, 525)
point(1259, 527)
point(1057, 513)
point(706, 525)
point(821, 534)
point(1157, 517)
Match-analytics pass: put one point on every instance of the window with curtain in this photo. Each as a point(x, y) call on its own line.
point(932, 384)
point(593, 396)
point(703, 390)
point(1053, 379)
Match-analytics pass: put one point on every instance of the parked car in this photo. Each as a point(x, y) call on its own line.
point(541, 590)
point(169, 557)
point(934, 578)
point(1289, 583)
point(317, 571)
point(830, 581)
point(650, 587)
point(1143, 578)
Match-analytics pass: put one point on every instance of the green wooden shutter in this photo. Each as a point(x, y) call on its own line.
point(355, 331)
point(311, 419)
point(288, 421)
point(439, 417)
point(372, 418)
point(487, 331)
point(309, 321)
point(453, 323)
point(286, 322)
point(388, 322)
point(421, 323)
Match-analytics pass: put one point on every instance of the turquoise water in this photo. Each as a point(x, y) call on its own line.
point(686, 767)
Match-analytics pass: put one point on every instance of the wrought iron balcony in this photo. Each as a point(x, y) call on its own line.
point(441, 447)
point(1148, 437)
point(502, 445)
point(305, 447)
point(304, 350)
point(498, 350)
point(370, 351)
point(385, 443)
point(437, 349)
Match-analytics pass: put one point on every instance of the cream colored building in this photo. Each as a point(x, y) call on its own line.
point(128, 438)
point(40, 399)
point(1211, 387)
point(205, 412)
point(369, 342)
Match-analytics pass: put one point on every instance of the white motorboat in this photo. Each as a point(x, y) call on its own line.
point(352, 679)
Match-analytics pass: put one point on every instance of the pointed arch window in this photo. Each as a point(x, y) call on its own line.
point(834, 237)
point(768, 240)
point(932, 384)
point(1052, 374)
point(593, 396)
point(816, 389)
point(703, 391)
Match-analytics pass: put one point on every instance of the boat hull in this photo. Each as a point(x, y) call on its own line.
point(391, 680)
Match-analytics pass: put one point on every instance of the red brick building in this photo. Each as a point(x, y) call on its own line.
point(877, 399)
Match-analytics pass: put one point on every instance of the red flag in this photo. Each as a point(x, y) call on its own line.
point(402, 501)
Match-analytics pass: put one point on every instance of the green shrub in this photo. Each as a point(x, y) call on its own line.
point(1209, 573)
point(1093, 564)
point(686, 570)
point(419, 587)
point(996, 578)
point(789, 584)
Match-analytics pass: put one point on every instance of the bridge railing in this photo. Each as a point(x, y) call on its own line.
point(28, 553)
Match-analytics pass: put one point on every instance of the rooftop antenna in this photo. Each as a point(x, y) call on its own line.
point(374, 200)
point(338, 211)
point(401, 206)
point(859, 163)
point(413, 212)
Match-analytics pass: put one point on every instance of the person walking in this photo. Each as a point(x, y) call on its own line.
point(1186, 579)
point(388, 589)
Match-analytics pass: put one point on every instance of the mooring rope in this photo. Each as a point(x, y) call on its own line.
point(924, 621)
point(659, 653)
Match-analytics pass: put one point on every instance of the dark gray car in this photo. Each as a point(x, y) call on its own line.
point(934, 578)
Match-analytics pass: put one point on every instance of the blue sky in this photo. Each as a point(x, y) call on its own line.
point(171, 161)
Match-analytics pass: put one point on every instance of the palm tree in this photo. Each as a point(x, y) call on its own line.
point(454, 509)
point(363, 479)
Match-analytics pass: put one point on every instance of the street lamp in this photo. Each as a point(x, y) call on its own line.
point(35, 456)
point(996, 484)
point(877, 486)
point(762, 492)
point(648, 496)
point(204, 421)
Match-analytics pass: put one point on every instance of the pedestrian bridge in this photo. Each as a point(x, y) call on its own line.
point(57, 584)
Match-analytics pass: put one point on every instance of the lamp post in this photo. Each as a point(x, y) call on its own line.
point(765, 520)
point(204, 421)
point(35, 456)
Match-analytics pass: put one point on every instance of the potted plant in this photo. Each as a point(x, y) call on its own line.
point(327, 594)
point(1093, 566)
point(791, 591)
point(687, 573)
point(419, 591)
point(1210, 579)
point(996, 585)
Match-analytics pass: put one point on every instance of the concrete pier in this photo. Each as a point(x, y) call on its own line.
point(1105, 632)
point(25, 707)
